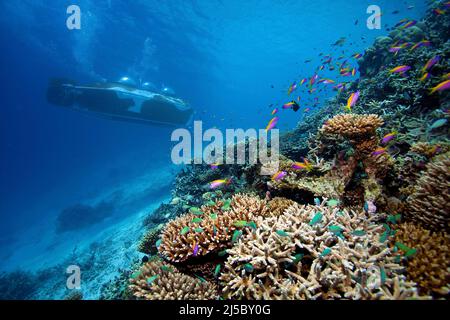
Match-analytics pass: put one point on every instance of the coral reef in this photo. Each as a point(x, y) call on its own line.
point(208, 229)
point(157, 280)
point(429, 204)
point(148, 241)
point(315, 252)
point(429, 267)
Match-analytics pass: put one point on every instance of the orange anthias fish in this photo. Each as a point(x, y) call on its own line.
point(400, 69)
point(272, 123)
point(352, 100)
point(217, 183)
point(441, 86)
point(379, 151)
point(389, 137)
point(303, 165)
point(425, 77)
point(279, 175)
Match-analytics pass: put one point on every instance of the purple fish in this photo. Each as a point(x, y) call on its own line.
point(195, 250)
point(279, 175)
point(431, 63)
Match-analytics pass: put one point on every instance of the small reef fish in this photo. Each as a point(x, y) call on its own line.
point(438, 11)
point(332, 203)
point(236, 235)
point(282, 233)
point(316, 219)
point(248, 267)
point(195, 249)
point(409, 24)
point(438, 123)
point(274, 111)
point(357, 55)
point(184, 230)
point(431, 63)
point(292, 88)
point(423, 43)
point(297, 258)
point(288, 105)
point(400, 69)
point(197, 220)
point(359, 233)
point(352, 100)
point(379, 151)
point(214, 166)
point(441, 87)
point(240, 223)
point(389, 137)
point(227, 205)
point(425, 76)
point(151, 279)
point(217, 183)
point(317, 201)
point(279, 175)
point(303, 81)
point(302, 165)
point(325, 252)
point(272, 123)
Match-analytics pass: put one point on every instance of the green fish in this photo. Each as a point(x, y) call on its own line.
point(332, 202)
point(213, 216)
point(384, 236)
point(196, 211)
point(359, 233)
point(222, 253)
point(151, 279)
point(382, 275)
point(226, 206)
point(217, 270)
point(214, 230)
point(184, 231)
point(240, 223)
point(136, 274)
point(282, 233)
point(394, 218)
point(236, 235)
point(166, 268)
point(325, 252)
point(316, 219)
point(198, 230)
point(197, 220)
point(185, 207)
point(210, 203)
point(410, 253)
point(297, 258)
point(252, 224)
point(158, 243)
point(402, 247)
point(248, 267)
point(335, 229)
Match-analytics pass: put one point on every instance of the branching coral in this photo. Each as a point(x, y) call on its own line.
point(429, 204)
point(315, 252)
point(430, 266)
point(278, 204)
point(359, 129)
point(209, 229)
point(157, 280)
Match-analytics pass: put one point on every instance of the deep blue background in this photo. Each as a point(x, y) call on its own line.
point(221, 56)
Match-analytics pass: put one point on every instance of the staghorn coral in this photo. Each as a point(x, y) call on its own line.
point(147, 244)
point(430, 266)
point(157, 280)
point(278, 204)
point(429, 204)
point(315, 252)
point(196, 235)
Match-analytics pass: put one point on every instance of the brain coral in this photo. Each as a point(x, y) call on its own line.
point(429, 203)
point(315, 252)
point(210, 229)
point(157, 280)
point(430, 266)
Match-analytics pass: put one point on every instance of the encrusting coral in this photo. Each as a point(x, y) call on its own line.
point(429, 267)
point(315, 252)
point(429, 204)
point(210, 228)
point(157, 280)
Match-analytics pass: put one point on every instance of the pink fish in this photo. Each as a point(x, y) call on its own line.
point(352, 100)
point(378, 151)
point(195, 249)
point(288, 105)
point(441, 86)
point(431, 63)
point(303, 81)
point(279, 175)
point(400, 69)
point(389, 137)
point(272, 123)
point(217, 183)
point(274, 111)
point(292, 88)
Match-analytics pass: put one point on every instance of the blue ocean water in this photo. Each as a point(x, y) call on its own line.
point(229, 59)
